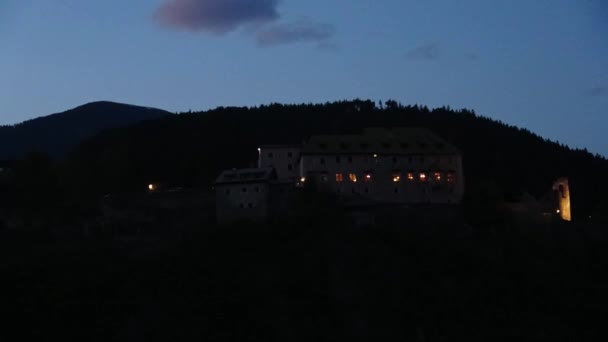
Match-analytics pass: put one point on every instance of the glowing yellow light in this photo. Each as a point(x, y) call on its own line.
point(410, 176)
point(396, 178)
point(303, 179)
point(423, 177)
point(558, 211)
point(352, 177)
point(151, 187)
point(375, 156)
point(368, 177)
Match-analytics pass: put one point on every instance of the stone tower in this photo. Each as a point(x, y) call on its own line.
point(562, 190)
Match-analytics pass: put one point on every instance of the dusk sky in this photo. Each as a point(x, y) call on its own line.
point(538, 64)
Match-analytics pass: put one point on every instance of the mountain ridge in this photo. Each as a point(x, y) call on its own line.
point(58, 133)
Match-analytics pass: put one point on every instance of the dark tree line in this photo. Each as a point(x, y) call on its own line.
point(192, 148)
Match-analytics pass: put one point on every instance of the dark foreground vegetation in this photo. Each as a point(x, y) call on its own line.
point(317, 279)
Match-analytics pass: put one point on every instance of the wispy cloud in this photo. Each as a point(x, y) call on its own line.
point(261, 16)
point(215, 16)
point(300, 31)
point(424, 52)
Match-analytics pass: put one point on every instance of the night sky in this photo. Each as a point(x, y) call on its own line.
point(540, 64)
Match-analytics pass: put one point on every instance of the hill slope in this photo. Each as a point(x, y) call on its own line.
point(191, 149)
point(57, 134)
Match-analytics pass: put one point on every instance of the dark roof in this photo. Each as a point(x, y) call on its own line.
point(403, 140)
point(246, 176)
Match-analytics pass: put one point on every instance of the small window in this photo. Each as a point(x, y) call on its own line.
point(421, 160)
point(244, 189)
point(450, 177)
point(368, 177)
point(250, 205)
point(270, 155)
point(337, 159)
point(322, 161)
point(339, 177)
point(352, 177)
point(366, 190)
point(350, 159)
point(257, 189)
point(289, 167)
point(394, 160)
point(324, 178)
point(352, 190)
point(242, 205)
point(437, 176)
point(409, 159)
point(422, 176)
point(396, 177)
point(289, 154)
point(396, 190)
point(410, 176)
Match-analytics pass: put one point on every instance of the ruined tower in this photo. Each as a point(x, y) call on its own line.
point(562, 190)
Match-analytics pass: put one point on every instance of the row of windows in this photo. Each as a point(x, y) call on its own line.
point(271, 155)
point(410, 159)
point(365, 145)
point(449, 177)
point(244, 190)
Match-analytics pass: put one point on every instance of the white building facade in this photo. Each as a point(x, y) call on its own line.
point(401, 165)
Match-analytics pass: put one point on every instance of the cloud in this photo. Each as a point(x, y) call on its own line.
point(424, 52)
point(597, 91)
point(215, 16)
point(299, 31)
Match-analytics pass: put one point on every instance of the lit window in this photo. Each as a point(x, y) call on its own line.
point(152, 187)
point(303, 179)
point(339, 177)
point(422, 177)
point(368, 177)
point(437, 176)
point(352, 177)
point(396, 177)
point(410, 176)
